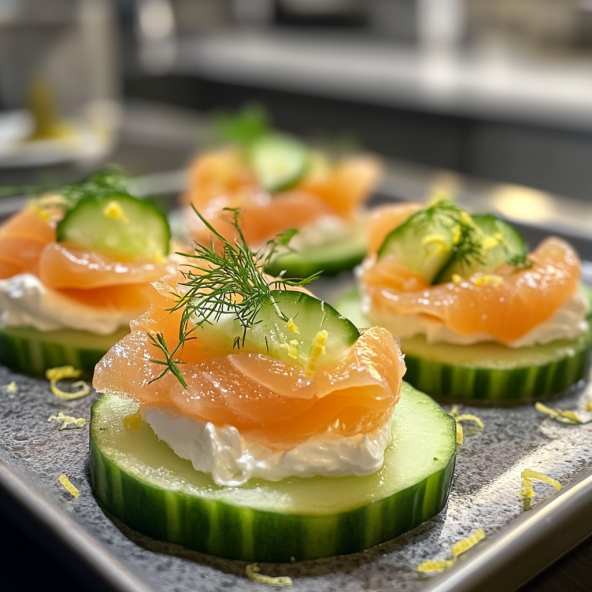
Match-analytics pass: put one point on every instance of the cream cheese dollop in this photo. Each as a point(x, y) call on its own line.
point(26, 302)
point(232, 459)
point(568, 322)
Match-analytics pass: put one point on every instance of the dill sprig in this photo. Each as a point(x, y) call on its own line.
point(225, 281)
point(521, 262)
point(468, 238)
point(242, 127)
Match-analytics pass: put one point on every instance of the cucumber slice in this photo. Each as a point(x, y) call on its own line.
point(329, 259)
point(30, 351)
point(140, 480)
point(119, 225)
point(279, 160)
point(504, 241)
point(423, 243)
point(271, 336)
point(487, 372)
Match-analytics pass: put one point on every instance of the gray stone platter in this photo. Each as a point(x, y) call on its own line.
point(33, 453)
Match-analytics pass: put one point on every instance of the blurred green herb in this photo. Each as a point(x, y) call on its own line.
point(243, 127)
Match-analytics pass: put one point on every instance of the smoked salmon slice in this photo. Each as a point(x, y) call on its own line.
point(28, 245)
point(506, 305)
point(224, 179)
point(273, 402)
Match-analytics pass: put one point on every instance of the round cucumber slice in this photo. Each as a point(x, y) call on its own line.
point(279, 160)
point(118, 225)
point(487, 373)
point(329, 259)
point(424, 243)
point(30, 351)
point(281, 340)
point(140, 480)
point(502, 244)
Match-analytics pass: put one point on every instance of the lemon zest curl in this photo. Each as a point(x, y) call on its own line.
point(253, 570)
point(527, 492)
point(456, 551)
point(67, 484)
point(464, 417)
point(67, 420)
point(56, 374)
point(567, 417)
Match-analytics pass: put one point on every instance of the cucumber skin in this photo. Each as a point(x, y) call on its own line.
point(487, 385)
point(497, 386)
point(224, 530)
point(33, 352)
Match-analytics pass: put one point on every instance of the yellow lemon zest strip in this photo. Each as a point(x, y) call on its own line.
point(456, 551)
point(55, 374)
point(316, 351)
point(431, 566)
point(11, 388)
point(456, 279)
point(494, 280)
point(589, 406)
point(133, 421)
point(253, 570)
point(67, 420)
point(68, 486)
point(437, 243)
point(293, 349)
point(292, 326)
point(527, 492)
point(568, 417)
point(115, 211)
point(464, 545)
point(463, 417)
point(460, 434)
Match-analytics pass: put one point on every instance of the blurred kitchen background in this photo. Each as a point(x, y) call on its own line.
point(490, 100)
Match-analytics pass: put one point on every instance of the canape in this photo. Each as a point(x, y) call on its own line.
point(245, 418)
point(75, 268)
point(478, 316)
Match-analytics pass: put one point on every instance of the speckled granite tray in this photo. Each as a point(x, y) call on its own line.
point(33, 453)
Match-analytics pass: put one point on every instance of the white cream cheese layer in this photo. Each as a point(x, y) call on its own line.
point(26, 302)
point(232, 460)
point(568, 322)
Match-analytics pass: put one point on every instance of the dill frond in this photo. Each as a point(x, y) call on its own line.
point(520, 262)
point(226, 281)
point(468, 238)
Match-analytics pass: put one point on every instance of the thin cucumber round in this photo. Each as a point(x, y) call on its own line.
point(279, 339)
point(424, 243)
point(279, 160)
point(140, 480)
point(329, 259)
point(30, 351)
point(118, 225)
point(487, 373)
point(502, 243)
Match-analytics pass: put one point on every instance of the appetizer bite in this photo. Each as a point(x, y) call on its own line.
point(280, 183)
point(478, 316)
point(75, 268)
point(245, 418)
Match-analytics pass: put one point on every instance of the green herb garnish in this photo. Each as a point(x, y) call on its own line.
point(222, 282)
point(467, 238)
point(521, 262)
point(242, 128)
